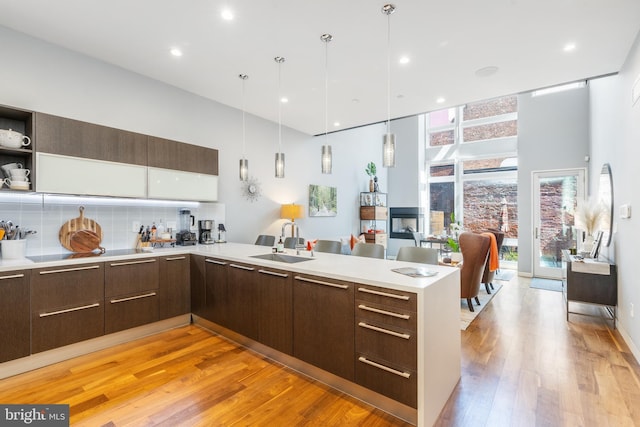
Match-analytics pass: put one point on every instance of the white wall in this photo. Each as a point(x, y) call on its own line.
point(615, 134)
point(46, 78)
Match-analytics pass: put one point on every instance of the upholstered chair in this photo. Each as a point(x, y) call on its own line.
point(421, 255)
point(330, 246)
point(488, 275)
point(265, 240)
point(371, 250)
point(475, 251)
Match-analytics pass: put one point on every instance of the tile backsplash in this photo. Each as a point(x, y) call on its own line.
point(47, 213)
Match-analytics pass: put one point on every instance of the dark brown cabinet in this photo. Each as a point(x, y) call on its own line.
point(15, 334)
point(216, 291)
point(59, 135)
point(174, 287)
point(323, 316)
point(131, 293)
point(197, 279)
point(242, 300)
point(67, 305)
point(275, 309)
point(386, 343)
point(168, 154)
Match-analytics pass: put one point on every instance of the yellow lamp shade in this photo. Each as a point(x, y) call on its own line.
point(291, 211)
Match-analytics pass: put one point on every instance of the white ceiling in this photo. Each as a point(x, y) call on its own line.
point(447, 42)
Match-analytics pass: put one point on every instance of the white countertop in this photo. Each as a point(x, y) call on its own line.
point(370, 271)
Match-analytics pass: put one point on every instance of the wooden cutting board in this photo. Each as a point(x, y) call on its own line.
point(78, 224)
point(83, 241)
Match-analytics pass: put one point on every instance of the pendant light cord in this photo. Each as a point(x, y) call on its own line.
point(280, 105)
point(326, 89)
point(389, 73)
point(243, 77)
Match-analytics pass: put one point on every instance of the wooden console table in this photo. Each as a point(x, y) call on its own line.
point(592, 282)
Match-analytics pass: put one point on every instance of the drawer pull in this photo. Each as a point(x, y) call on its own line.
point(241, 267)
point(69, 310)
point(384, 331)
point(384, 368)
point(66, 270)
point(384, 294)
point(213, 261)
point(13, 276)
point(117, 300)
point(144, 261)
point(273, 273)
point(319, 282)
point(176, 258)
point(388, 313)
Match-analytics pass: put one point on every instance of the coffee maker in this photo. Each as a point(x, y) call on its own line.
point(185, 237)
point(205, 227)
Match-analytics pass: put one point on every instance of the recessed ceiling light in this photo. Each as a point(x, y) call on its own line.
point(227, 15)
point(284, 100)
point(440, 100)
point(336, 124)
point(569, 47)
point(176, 52)
point(405, 60)
point(355, 100)
point(487, 71)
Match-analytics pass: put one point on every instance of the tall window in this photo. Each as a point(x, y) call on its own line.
point(471, 154)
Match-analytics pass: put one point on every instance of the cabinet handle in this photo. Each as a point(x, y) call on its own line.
point(144, 261)
point(384, 294)
point(213, 261)
point(384, 331)
point(273, 273)
point(319, 282)
point(66, 270)
point(384, 368)
point(69, 310)
point(117, 300)
point(388, 313)
point(241, 267)
point(176, 258)
point(13, 276)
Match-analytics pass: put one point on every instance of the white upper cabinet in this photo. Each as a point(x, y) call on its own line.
point(179, 185)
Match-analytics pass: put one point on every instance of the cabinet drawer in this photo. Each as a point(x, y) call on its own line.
point(382, 314)
point(66, 325)
point(66, 286)
point(14, 310)
point(389, 297)
point(130, 276)
point(128, 311)
point(388, 379)
point(394, 345)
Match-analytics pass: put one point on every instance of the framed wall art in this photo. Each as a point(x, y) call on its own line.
point(323, 200)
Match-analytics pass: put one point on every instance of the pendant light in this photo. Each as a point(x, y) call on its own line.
point(279, 155)
point(389, 140)
point(326, 159)
point(244, 163)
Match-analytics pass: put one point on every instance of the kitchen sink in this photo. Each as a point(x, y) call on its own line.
point(290, 259)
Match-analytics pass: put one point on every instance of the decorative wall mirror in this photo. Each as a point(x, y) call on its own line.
point(605, 195)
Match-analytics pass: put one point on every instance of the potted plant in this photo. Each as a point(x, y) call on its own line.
point(371, 171)
point(456, 255)
point(587, 218)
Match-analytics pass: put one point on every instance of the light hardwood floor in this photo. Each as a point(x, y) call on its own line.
point(523, 364)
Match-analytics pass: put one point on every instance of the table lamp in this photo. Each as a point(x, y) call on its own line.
point(291, 211)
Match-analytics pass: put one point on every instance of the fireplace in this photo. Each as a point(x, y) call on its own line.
point(405, 221)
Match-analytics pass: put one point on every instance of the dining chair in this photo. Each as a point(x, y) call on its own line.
point(290, 242)
point(488, 275)
point(371, 250)
point(475, 251)
point(417, 237)
point(265, 240)
point(421, 255)
point(330, 246)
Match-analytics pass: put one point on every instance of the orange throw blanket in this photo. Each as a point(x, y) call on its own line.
point(494, 262)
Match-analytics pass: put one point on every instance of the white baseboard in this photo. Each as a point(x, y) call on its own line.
point(627, 339)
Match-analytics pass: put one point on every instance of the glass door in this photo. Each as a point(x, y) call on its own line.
point(555, 195)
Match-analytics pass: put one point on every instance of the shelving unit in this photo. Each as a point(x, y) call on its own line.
point(19, 121)
point(374, 214)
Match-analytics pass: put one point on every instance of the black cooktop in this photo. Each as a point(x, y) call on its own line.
point(60, 257)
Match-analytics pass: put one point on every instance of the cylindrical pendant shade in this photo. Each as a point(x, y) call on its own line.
point(389, 150)
point(244, 169)
point(326, 159)
point(279, 165)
